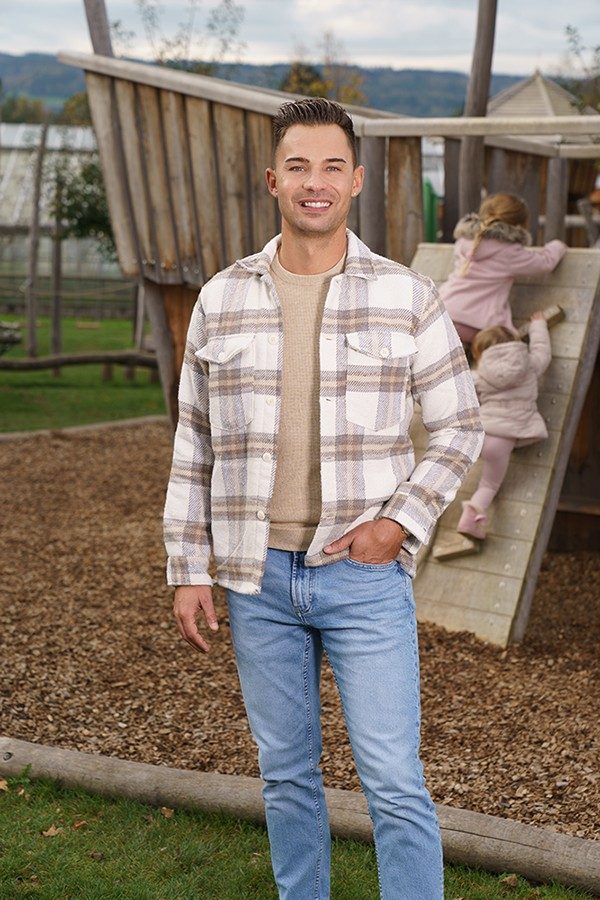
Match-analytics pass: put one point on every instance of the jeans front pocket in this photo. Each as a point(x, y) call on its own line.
point(393, 563)
point(378, 377)
point(231, 360)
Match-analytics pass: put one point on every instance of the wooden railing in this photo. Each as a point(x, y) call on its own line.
point(183, 158)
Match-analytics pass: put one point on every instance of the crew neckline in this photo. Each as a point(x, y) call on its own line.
point(286, 275)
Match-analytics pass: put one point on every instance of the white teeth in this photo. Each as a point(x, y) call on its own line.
point(316, 204)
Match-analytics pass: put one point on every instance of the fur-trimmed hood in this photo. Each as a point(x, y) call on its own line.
point(468, 226)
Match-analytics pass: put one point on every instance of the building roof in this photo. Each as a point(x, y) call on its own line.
point(72, 138)
point(539, 96)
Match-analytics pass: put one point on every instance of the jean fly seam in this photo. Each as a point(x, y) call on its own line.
point(311, 763)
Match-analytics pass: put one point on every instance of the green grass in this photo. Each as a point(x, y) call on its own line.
point(131, 851)
point(31, 400)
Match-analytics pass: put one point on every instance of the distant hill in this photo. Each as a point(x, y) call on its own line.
point(414, 92)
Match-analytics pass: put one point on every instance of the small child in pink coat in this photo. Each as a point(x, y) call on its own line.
point(506, 378)
point(491, 249)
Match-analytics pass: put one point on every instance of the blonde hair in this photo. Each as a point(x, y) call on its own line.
point(489, 337)
point(497, 208)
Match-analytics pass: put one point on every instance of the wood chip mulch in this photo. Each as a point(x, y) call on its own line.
point(92, 660)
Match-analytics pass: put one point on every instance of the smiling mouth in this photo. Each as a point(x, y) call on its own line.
point(315, 204)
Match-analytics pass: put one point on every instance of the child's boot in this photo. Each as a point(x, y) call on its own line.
point(472, 522)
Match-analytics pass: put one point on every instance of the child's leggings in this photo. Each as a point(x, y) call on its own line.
point(496, 456)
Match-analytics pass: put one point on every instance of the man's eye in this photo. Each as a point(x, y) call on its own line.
point(295, 168)
point(334, 169)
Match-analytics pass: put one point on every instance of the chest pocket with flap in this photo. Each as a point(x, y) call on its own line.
point(378, 377)
point(231, 361)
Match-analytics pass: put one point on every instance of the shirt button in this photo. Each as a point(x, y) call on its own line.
point(261, 514)
point(221, 355)
point(267, 456)
point(384, 351)
point(272, 338)
point(270, 401)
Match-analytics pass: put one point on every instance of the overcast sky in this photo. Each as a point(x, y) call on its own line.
point(436, 34)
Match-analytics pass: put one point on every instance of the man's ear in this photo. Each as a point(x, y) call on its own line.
point(357, 180)
point(271, 179)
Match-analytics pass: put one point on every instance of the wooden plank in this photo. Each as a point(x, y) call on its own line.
point(371, 200)
point(505, 556)
point(557, 196)
point(180, 179)
point(518, 173)
point(264, 220)
point(451, 214)
point(580, 267)
point(101, 107)
point(434, 260)
point(404, 213)
point(487, 625)
point(233, 189)
point(205, 189)
point(169, 376)
point(134, 165)
point(156, 169)
point(451, 585)
point(526, 299)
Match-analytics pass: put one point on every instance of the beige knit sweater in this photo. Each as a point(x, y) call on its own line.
point(296, 504)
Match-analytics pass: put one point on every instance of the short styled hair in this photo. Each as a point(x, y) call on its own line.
point(313, 111)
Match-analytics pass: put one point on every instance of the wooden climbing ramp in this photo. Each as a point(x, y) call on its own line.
point(490, 592)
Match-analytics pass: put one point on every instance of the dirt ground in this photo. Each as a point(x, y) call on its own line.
point(92, 660)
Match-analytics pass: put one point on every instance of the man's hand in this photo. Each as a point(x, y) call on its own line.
point(189, 600)
point(378, 541)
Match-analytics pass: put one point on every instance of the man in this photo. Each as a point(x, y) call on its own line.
point(293, 465)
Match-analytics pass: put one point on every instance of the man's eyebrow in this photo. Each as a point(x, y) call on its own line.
point(303, 159)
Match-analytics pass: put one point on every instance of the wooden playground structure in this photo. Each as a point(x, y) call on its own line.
point(183, 159)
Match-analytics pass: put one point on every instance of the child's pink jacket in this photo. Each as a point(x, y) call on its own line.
point(506, 381)
point(480, 297)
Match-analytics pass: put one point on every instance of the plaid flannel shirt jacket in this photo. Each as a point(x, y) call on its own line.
point(386, 341)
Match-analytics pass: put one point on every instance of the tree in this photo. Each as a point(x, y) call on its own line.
point(333, 78)
point(584, 63)
point(77, 199)
point(23, 109)
point(304, 78)
point(344, 81)
point(178, 51)
point(75, 111)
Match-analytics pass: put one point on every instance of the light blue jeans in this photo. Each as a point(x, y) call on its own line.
point(363, 616)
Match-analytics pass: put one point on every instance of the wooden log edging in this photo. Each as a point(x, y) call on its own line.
point(112, 357)
point(474, 839)
point(68, 430)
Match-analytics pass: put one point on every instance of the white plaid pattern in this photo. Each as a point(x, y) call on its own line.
point(385, 342)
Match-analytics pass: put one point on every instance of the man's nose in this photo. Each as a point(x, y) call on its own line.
point(313, 180)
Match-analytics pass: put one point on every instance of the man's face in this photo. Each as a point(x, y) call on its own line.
point(314, 179)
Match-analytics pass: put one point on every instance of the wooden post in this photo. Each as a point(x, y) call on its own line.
point(510, 170)
point(98, 26)
point(34, 245)
point(371, 200)
point(138, 315)
point(451, 213)
point(472, 148)
point(164, 346)
point(404, 214)
point(56, 338)
point(557, 195)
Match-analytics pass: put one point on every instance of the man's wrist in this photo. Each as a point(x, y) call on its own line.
point(395, 521)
